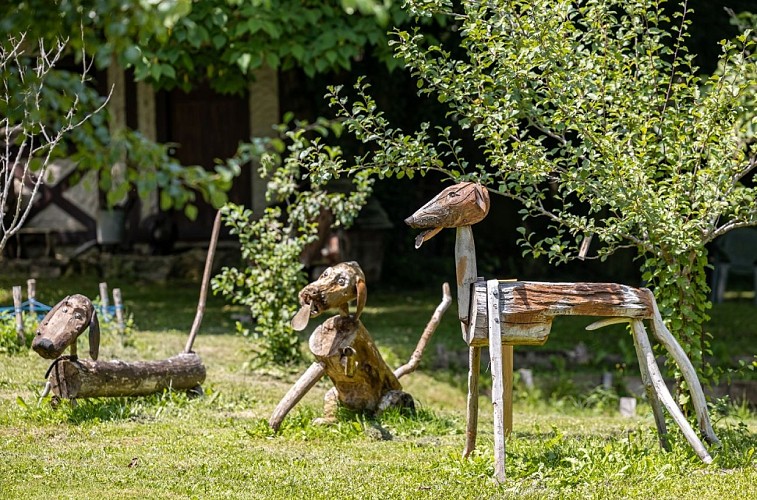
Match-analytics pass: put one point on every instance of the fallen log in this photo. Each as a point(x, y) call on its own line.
point(85, 378)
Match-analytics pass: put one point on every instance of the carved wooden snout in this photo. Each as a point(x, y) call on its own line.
point(462, 204)
point(62, 326)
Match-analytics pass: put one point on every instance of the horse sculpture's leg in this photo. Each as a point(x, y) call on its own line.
point(638, 330)
point(662, 334)
point(471, 426)
point(495, 356)
point(665, 396)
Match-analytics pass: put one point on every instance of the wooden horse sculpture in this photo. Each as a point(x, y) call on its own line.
point(345, 351)
point(506, 313)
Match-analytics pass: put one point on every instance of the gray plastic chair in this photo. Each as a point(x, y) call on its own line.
point(736, 253)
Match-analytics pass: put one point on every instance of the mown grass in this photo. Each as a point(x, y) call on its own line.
point(567, 445)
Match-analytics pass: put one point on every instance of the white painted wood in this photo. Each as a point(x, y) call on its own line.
point(637, 327)
point(662, 334)
point(495, 356)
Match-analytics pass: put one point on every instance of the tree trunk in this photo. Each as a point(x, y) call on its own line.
point(85, 378)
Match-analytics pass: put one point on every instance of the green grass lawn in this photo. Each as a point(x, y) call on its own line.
point(565, 444)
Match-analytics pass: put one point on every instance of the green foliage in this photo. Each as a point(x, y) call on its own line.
point(747, 121)
point(591, 115)
point(272, 244)
point(178, 43)
point(127, 162)
point(9, 340)
point(59, 115)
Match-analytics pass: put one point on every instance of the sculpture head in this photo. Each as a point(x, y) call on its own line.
point(334, 289)
point(62, 326)
point(462, 204)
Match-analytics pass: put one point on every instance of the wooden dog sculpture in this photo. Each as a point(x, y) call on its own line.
point(345, 351)
point(62, 326)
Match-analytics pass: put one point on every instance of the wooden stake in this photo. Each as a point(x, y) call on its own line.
point(17, 299)
point(31, 293)
point(495, 355)
point(117, 302)
point(205, 281)
point(104, 302)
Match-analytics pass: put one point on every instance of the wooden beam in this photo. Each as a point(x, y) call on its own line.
point(528, 308)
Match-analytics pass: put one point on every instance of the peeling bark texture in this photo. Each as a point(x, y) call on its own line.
point(86, 378)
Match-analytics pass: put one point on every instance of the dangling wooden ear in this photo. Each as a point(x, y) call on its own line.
point(481, 198)
point(300, 320)
point(94, 336)
point(362, 296)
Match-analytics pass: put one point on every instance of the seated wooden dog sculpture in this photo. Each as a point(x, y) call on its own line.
point(62, 326)
point(344, 350)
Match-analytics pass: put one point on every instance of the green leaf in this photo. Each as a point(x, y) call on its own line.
point(190, 211)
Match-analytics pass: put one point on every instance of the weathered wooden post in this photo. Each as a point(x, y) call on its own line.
point(31, 293)
point(118, 303)
point(17, 300)
point(104, 303)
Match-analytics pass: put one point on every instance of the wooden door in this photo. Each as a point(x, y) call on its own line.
point(205, 126)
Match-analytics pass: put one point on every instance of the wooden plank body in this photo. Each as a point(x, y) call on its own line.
point(528, 308)
point(86, 378)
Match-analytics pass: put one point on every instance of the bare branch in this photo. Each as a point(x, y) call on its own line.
point(29, 140)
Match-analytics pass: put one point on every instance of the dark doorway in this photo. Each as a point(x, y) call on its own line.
point(205, 126)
